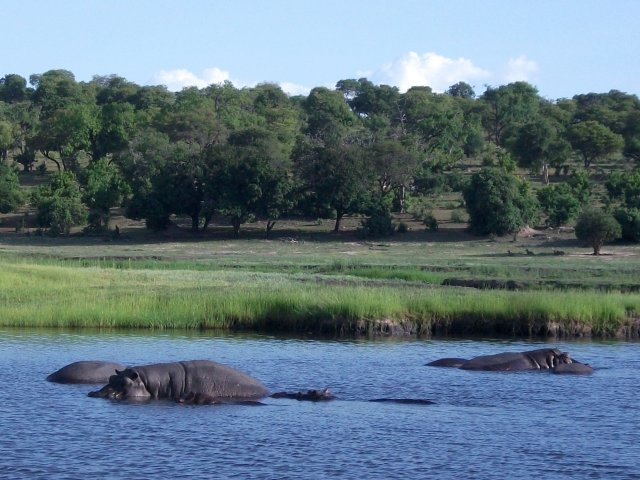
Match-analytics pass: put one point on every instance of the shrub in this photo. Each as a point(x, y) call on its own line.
point(559, 203)
point(499, 203)
point(59, 204)
point(457, 216)
point(402, 228)
point(376, 226)
point(431, 222)
point(629, 220)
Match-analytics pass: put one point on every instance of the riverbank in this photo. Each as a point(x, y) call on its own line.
point(319, 288)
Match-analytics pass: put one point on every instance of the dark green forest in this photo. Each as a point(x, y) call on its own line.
point(237, 155)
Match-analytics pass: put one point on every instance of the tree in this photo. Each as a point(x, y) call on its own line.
point(59, 204)
point(498, 203)
point(624, 188)
point(597, 227)
point(11, 194)
point(103, 188)
point(559, 204)
point(335, 176)
point(6, 139)
point(594, 141)
point(537, 145)
point(13, 88)
point(252, 177)
point(462, 90)
point(394, 166)
point(508, 107)
point(328, 115)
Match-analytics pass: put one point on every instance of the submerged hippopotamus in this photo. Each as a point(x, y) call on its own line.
point(310, 395)
point(85, 371)
point(195, 381)
point(541, 359)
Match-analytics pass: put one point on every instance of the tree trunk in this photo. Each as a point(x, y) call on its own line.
point(236, 227)
point(270, 225)
point(336, 228)
point(545, 173)
point(195, 222)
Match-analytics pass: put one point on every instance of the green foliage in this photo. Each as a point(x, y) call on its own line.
point(431, 222)
point(559, 204)
point(11, 194)
point(596, 227)
point(59, 204)
point(495, 156)
point(594, 141)
point(327, 153)
point(508, 107)
point(498, 203)
point(103, 188)
point(457, 216)
point(377, 226)
point(629, 220)
point(336, 176)
point(625, 187)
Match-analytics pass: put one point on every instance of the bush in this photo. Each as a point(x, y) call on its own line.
point(457, 216)
point(559, 204)
point(402, 228)
point(59, 204)
point(376, 226)
point(11, 196)
point(431, 222)
point(499, 203)
point(629, 220)
point(597, 227)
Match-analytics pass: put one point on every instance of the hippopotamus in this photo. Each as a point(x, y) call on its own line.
point(86, 371)
point(573, 368)
point(405, 401)
point(201, 381)
point(310, 395)
point(540, 359)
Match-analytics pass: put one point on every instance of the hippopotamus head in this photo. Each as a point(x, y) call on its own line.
point(545, 358)
point(126, 384)
point(560, 358)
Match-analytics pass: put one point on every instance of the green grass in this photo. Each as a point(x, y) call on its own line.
point(96, 293)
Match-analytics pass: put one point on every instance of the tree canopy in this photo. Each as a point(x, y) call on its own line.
point(238, 154)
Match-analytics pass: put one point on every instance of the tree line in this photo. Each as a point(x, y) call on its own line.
point(359, 148)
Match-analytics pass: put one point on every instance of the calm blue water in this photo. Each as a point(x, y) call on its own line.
point(484, 425)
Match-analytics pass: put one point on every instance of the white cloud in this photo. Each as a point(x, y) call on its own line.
point(520, 69)
point(294, 89)
point(177, 79)
point(429, 69)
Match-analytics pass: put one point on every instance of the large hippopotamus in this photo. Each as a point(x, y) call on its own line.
point(85, 371)
point(202, 381)
point(541, 359)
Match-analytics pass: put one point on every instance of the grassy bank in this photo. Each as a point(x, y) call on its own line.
point(324, 297)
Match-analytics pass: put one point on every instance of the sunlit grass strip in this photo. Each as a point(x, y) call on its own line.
point(36, 295)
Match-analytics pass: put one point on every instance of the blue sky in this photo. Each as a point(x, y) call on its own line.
point(563, 47)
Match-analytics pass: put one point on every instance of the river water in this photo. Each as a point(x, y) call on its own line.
point(483, 424)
